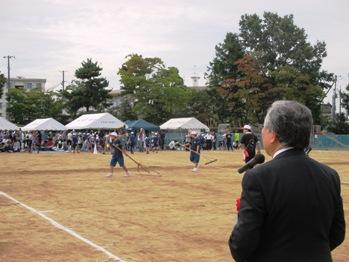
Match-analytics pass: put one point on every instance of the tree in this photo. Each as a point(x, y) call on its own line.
point(279, 46)
point(221, 68)
point(157, 92)
point(2, 83)
point(340, 125)
point(136, 72)
point(201, 107)
point(297, 85)
point(274, 61)
point(345, 99)
point(245, 95)
point(89, 91)
point(124, 110)
point(25, 106)
point(223, 65)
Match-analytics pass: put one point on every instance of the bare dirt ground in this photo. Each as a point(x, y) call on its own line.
point(176, 215)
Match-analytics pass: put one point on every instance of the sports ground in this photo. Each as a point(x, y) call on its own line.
point(62, 207)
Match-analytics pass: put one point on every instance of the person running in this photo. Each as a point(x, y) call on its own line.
point(117, 154)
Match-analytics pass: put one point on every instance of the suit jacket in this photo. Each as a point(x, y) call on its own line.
point(291, 211)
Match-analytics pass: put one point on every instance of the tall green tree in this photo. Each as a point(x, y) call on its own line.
point(25, 106)
point(2, 83)
point(277, 53)
point(202, 108)
point(88, 91)
point(339, 125)
point(246, 95)
point(124, 110)
point(223, 67)
point(136, 72)
point(345, 99)
point(157, 91)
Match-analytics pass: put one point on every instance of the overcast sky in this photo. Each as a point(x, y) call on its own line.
point(47, 36)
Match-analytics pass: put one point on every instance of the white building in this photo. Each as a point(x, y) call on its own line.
point(20, 82)
point(195, 83)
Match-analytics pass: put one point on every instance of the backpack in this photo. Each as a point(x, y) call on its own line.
point(251, 145)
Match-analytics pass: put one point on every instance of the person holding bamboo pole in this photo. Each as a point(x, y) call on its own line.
point(117, 154)
point(195, 147)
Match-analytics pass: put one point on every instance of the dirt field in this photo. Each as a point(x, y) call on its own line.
point(176, 215)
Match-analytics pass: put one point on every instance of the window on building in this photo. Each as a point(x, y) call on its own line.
point(38, 85)
point(29, 85)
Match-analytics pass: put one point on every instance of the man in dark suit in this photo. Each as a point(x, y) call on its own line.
point(291, 207)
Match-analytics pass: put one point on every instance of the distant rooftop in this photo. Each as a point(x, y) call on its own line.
point(21, 78)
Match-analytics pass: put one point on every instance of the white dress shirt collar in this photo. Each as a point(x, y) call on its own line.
point(281, 150)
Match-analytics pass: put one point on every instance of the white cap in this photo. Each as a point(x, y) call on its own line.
point(113, 134)
point(193, 132)
point(247, 127)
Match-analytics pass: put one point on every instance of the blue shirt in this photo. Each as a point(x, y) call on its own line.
point(194, 143)
point(114, 144)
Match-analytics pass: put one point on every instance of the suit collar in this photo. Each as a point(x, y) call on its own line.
point(281, 150)
point(290, 152)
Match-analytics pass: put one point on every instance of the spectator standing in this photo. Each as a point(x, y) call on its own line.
point(229, 141)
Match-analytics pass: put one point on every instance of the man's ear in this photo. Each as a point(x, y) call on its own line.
point(270, 136)
point(273, 137)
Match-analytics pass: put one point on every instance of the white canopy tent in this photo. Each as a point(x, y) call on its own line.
point(7, 125)
point(96, 121)
point(48, 124)
point(190, 123)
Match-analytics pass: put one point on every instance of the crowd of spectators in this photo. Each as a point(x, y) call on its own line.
point(210, 141)
point(98, 140)
point(77, 141)
point(36, 141)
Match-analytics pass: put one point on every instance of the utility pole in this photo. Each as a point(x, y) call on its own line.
point(334, 97)
point(8, 83)
point(63, 79)
point(8, 69)
point(340, 99)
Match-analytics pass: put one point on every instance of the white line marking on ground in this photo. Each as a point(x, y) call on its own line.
point(62, 227)
point(46, 211)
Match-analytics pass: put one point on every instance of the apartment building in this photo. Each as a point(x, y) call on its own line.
point(20, 82)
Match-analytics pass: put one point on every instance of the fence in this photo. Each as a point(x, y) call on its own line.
point(324, 142)
point(330, 141)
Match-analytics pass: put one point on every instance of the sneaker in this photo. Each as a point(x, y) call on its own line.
point(195, 169)
point(109, 175)
point(127, 174)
